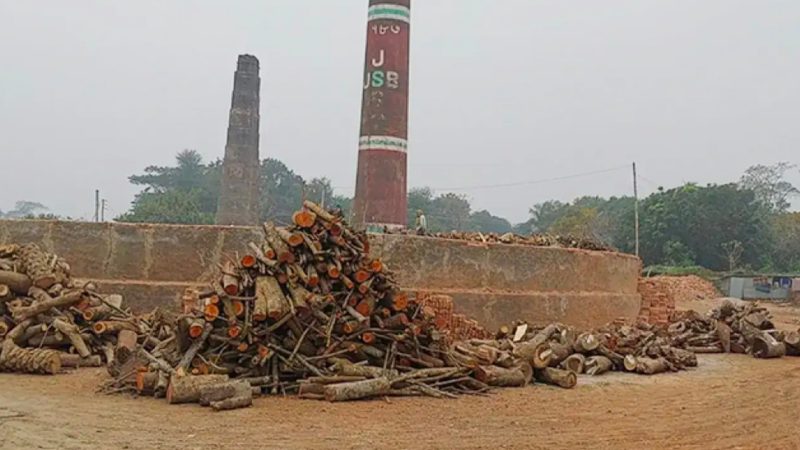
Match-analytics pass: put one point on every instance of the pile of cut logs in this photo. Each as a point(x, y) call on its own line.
point(305, 311)
point(537, 240)
point(308, 312)
point(734, 327)
point(48, 322)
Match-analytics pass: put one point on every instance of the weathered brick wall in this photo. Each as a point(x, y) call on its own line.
point(495, 284)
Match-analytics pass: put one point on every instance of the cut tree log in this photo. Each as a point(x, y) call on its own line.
point(557, 377)
point(186, 359)
point(112, 327)
point(502, 377)
point(126, 345)
point(792, 343)
point(574, 363)
point(242, 401)
point(598, 365)
point(28, 360)
point(186, 389)
point(220, 391)
point(586, 343)
point(35, 263)
point(560, 353)
point(282, 251)
point(72, 360)
point(357, 390)
point(72, 332)
point(646, 366)
point(230, 282)
point(66, 299)
point(17, 282)
point(724, 336)
point(766, 346)
point(269, 289)
point(146, 382)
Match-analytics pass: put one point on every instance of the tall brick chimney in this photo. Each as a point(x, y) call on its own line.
point(239, 193)
point(381, 178)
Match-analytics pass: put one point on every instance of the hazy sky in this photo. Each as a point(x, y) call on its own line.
point(502, 92)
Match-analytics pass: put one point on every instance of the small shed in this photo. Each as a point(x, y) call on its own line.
point(780, 287)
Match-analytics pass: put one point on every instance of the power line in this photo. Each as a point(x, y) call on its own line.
point(518, 183)
point(529, 182)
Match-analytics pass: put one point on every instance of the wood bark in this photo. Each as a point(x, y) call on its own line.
point(557, 377)
point(126, 345)
point(186, 389)
point(17, 282)
point(597, 365)
point(28, 360)
point(500, 376)
point(357, 390)
point(242, 401)
point(220, 391)
point(269, 289)
point(766, 346)
point(73, 360)
point(26, 312)
point(574, 363)
point(71, 331)
point(35, 263)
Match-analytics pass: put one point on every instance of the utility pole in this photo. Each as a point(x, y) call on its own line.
point(103, 210)
point(636, 210)
point(97, 205)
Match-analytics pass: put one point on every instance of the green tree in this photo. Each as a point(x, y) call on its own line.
point(785, 230)
point(24, 209)
point(702, 219)
point(485, 222)
point(770, 185)
point(172, 206)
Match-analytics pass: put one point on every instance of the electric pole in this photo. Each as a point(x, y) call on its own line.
point(636, 210)
point(103, 210)
point(97, 205)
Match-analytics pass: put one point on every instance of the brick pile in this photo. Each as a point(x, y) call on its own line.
point(457, 326)
point(660, 295)
point(658, 302)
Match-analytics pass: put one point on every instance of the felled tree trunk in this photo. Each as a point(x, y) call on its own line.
point(766, 346)
point(71, 360)
point(126, 345)
point(17, 282)
point(557, 377)
point(220, 391)
point(21, 313)
point(35, 264)
point(560, 353)
point(269, 289)
point(186, 389)
point(646, 366)
point(357, 390)
point(597, 365)
point(574, 363)
point(500, 376)
point(792, 343)
point(242, 401)
point(586, 343)
point(28, 360)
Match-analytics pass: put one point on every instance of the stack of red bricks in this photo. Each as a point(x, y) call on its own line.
point(658, 302)
point(456, 326)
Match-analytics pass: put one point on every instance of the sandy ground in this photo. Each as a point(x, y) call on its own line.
point(730, 401)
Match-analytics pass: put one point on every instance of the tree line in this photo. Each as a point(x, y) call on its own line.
point(742, 225)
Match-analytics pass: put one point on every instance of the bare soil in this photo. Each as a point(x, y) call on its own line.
point(730, 401)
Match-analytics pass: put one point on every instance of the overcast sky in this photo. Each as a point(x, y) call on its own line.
point(502, 92)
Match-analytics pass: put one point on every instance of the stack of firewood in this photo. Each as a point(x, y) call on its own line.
point(537, 240)
point(48, 322)
point(305, 311)
point(734, 327)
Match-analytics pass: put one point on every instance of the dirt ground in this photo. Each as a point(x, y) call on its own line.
point(730, 401)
